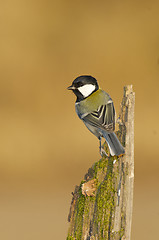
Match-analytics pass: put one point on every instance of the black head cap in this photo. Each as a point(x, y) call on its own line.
point(83, 80)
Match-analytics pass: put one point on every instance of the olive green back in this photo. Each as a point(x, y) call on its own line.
point(92, 102)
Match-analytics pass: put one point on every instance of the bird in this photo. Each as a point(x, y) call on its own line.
point(96, 109)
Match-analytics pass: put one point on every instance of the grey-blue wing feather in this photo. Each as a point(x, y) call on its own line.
point(103, 117)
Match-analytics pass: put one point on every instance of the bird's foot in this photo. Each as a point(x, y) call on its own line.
point(103, 152)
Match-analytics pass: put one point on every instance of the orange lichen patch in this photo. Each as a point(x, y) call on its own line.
point(88, 188)
point(121, 155)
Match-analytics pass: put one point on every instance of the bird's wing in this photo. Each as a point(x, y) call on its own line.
point(103, 117)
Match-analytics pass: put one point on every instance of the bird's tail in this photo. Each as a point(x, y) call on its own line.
point(114, 145)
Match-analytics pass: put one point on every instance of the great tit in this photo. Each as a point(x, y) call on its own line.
point(96, 109)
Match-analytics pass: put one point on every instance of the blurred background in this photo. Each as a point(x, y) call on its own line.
point(45, 150)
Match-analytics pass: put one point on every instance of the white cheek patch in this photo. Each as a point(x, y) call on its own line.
point(87, 89)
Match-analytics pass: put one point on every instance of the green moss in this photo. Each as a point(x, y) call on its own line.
point(79, 214)
point(121, 232)
point(70, 238)
point(104, 205)
point(100, 167)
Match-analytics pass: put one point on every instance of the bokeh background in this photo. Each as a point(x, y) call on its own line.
point(44, 149)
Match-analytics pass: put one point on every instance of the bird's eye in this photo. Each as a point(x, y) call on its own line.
point(78, 84)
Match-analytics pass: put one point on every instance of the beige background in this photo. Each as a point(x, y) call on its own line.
point(44, 149)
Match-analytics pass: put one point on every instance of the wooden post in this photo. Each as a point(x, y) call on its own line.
point(101, 206)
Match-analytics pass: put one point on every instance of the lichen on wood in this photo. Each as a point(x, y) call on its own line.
point(105, 211)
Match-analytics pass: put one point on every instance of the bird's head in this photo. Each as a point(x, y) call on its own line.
point(84, 86)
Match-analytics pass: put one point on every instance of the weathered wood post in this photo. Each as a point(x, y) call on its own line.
point(101, 206)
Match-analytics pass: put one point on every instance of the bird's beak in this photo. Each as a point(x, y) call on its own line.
point(71, 88)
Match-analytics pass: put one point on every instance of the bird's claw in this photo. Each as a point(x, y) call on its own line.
point(103, 152)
